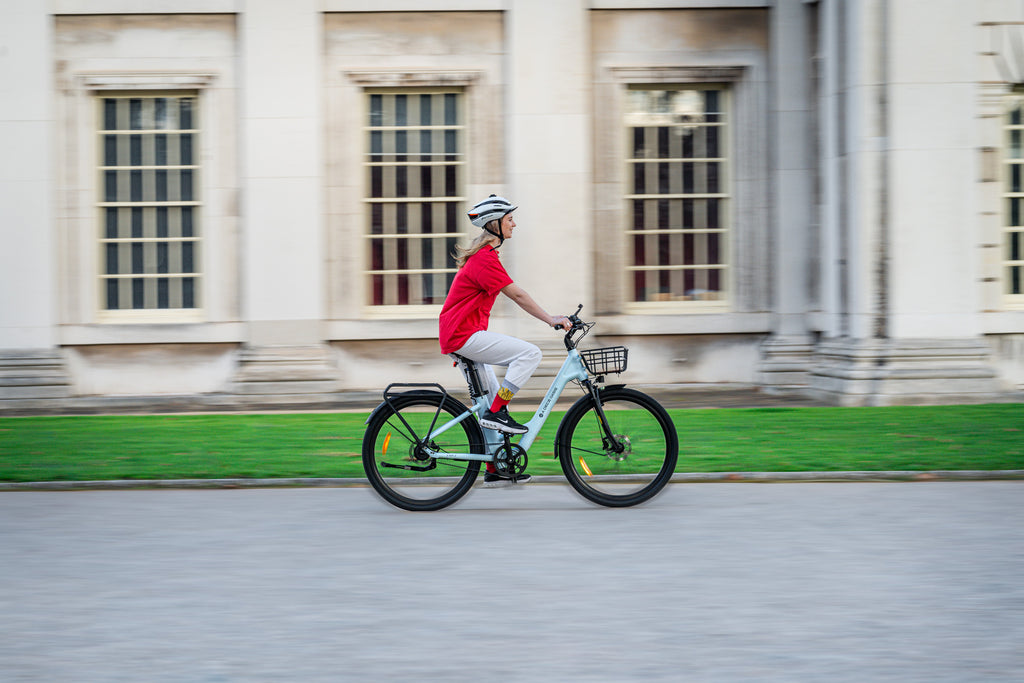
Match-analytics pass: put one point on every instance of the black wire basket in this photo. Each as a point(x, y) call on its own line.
point(607, 361)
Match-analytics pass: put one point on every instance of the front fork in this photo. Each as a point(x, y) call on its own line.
point(609, 441)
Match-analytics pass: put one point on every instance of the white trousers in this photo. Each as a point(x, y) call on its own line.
point(490, 348)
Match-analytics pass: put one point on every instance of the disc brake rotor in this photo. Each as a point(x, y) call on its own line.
point(627, 448)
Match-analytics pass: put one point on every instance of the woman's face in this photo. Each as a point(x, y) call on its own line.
point(507, 224)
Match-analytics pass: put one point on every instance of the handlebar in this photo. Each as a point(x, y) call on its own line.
point(578, 325)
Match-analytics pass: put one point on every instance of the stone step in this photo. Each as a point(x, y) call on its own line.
point(33, 374)
point(21, 359)
point(41, 377)
point(281, 370)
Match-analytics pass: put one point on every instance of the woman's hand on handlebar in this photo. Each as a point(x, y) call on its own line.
point(561, 322)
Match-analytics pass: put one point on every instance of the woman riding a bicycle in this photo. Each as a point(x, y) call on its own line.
point(422, 448)
point(466, 313)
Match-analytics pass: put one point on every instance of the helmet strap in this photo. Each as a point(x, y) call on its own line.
point(501, 238)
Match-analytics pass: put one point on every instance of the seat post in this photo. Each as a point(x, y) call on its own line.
point(468, 367)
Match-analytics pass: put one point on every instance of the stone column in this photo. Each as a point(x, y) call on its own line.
point(549, 156)
point(787, 353)
point(283, 243)
point(908, 329)
point(30, 364)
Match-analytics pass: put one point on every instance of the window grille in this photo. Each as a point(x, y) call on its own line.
point(149, 202)
point(678, 201)
point(415, 169)
point(1013, 198)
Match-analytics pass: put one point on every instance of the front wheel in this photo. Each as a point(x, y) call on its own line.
point(398, 467)
point(625, 462)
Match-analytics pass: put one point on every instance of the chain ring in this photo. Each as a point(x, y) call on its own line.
point(510, 464)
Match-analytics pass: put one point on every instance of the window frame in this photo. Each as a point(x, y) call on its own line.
point(1012, 175)
point(745, 259)
point(92, 87)
point(725, 218)
point(412, 85)
point(196, 312)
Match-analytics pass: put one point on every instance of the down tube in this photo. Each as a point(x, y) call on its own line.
point(571, 369)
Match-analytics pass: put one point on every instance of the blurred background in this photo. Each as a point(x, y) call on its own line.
point(255, 202)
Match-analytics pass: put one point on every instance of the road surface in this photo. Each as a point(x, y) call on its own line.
point(854, 582)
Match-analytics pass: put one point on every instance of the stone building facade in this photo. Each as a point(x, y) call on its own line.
point(259, 199)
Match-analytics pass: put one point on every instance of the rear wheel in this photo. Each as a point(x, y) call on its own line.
point(394, 456)
point(627, 464)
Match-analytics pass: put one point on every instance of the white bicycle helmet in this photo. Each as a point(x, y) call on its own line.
point(491, 209)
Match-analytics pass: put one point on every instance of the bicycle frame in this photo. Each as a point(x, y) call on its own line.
point(572, 369)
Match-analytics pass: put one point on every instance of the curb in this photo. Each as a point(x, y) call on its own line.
point(679, 478)
point(865, 476)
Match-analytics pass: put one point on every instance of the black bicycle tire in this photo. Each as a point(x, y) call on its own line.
point(380, 417)
point(574, 416)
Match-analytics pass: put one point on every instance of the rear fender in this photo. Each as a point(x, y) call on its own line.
point(390, 396)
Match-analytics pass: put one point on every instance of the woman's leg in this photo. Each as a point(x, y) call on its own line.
point(520, 357)
point(490, 381)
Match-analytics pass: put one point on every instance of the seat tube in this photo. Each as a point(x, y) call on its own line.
point(492, 437)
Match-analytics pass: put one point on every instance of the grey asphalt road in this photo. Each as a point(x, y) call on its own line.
point(709, 582)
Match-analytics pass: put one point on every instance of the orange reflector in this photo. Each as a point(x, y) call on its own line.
point(387, 441)
point(586, 469)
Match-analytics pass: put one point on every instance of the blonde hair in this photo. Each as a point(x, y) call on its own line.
point(479, 242)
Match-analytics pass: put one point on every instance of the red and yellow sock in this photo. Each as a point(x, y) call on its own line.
point(501, 399)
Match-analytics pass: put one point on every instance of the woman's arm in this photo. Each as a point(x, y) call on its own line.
point(526, 302)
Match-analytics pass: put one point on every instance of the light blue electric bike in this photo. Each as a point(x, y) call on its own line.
point(617, 447)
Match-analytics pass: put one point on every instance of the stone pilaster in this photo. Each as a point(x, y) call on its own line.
point(787, 354)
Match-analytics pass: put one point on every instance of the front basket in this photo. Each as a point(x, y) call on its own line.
point(606, 361)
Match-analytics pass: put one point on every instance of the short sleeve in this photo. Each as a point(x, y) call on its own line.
point(491, 276)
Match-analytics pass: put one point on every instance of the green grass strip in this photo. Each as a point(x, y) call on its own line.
point(82, 448)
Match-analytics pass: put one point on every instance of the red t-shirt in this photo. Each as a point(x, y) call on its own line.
point(467, 308)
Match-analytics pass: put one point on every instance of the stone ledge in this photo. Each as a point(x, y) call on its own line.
point(878, 372)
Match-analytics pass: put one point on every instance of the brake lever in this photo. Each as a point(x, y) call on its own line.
point(577, 325)
point(575, 317)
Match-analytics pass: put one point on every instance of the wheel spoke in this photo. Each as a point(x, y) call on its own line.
point(589, 451)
